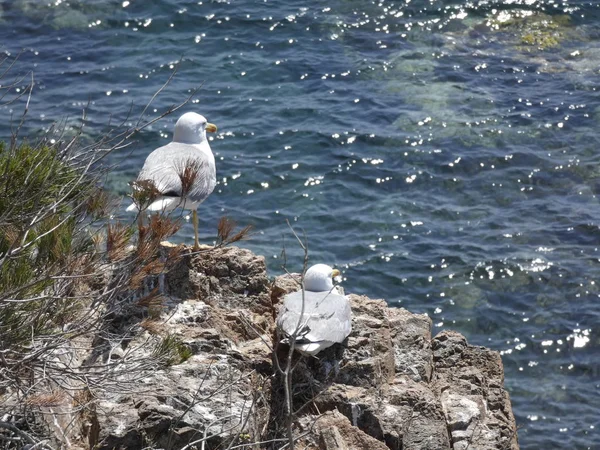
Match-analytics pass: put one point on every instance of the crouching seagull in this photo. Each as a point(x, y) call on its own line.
point(318, 318)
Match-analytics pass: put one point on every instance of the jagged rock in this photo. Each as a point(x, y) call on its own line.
point(333, 431)
point(470, 383)
point(411, 336)
point(282, 285)
point(390, 385)
point(220, 310)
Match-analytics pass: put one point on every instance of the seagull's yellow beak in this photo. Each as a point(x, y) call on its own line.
point(211, 128)
point(335, 273)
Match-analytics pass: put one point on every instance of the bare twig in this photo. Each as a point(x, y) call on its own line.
point(22, 434)
point(289, 368)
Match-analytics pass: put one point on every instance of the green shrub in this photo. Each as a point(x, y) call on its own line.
point(172, 351)
point(44, 212)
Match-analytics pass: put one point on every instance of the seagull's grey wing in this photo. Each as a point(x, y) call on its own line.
point(327, 316)
point(166, 165)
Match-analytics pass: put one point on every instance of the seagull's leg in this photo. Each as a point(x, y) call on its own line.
point(195, 222)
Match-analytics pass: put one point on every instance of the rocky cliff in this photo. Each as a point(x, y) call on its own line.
point(391, 385)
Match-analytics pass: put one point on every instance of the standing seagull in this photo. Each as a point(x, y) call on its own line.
point(326, 317)
point(186, 160)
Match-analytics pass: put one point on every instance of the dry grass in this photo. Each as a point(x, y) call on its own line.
point(48, 400)
point(152, 326)
point(161, 227)
point(153, 301)
point(188, 174)
point(144, 192)
point(225, 231)
point(117, 238)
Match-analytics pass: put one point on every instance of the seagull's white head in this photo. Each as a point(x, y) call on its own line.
point(191, 128)
point(319, 278)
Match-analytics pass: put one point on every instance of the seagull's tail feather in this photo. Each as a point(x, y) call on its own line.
point(308, 347)
point(164, 204)
point(312, 348)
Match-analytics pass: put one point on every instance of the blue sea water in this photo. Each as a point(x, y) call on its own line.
point(424, 147)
